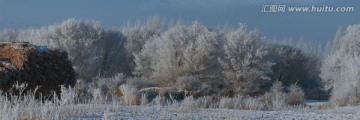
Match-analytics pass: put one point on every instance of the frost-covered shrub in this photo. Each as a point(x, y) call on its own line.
point(280, 97)
point(244, 62)
point(275, 99)
point(295, 96)
point(108, 87)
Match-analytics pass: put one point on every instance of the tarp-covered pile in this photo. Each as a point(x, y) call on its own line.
point(23, 62)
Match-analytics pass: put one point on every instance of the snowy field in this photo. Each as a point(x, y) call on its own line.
point(156, 112)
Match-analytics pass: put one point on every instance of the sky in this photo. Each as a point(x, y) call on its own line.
point(316, 27)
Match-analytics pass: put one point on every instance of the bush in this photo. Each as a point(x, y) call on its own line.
point(275, 99)
point(295, 96)
point(106, 89)
point(110, 86)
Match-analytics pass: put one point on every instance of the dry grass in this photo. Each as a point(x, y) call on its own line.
point(295, 96)
point(130, 94)
point(27, 107)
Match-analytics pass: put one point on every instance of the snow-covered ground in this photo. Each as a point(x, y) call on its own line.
point(157, 112)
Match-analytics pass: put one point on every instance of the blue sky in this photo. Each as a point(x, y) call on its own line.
point(317, 27)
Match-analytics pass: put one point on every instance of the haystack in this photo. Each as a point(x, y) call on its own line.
point(41, 66)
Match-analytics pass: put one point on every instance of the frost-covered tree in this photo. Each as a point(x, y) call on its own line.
point(341, 75)
point(137, 35)
point(8, 35)
point(38, 36)
point(245, 64)
point(336, 41)
point(34, 36)
point(341, 69)
point(350, 41)
point(180, 51)
point(83, 41)
point(295, 66)
point(114, 54)
point(92, 50)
